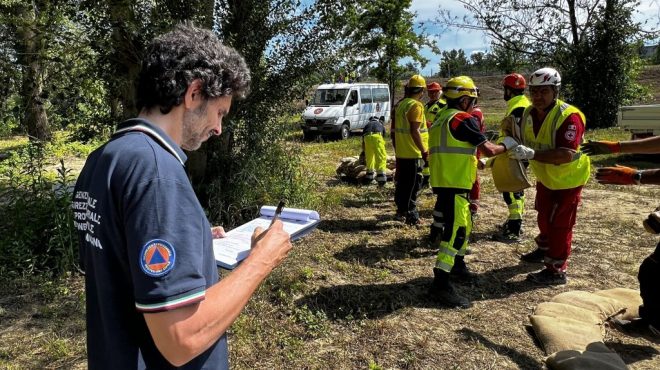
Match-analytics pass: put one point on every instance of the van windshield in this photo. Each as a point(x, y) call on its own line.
point(330, 96)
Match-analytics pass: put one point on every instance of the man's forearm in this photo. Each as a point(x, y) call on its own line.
point(184, 333)
point(489, 149)
point(554, 156)
point(197, 327)
point(650, 177)
point(417, 138)
point(649, 145)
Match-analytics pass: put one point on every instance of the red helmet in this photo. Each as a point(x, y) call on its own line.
point(514, 81)
point(433, 86)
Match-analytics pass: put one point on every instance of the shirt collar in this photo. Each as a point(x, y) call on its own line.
point(156, 133)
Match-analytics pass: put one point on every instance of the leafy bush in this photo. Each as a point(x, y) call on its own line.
point(602, 69)
point(37, 229)
point(262, 169)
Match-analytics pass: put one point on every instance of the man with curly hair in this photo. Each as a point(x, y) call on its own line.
point(154, 299)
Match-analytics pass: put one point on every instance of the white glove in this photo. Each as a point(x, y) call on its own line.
point(509, 142)
point(481, 164)
point(521, 152)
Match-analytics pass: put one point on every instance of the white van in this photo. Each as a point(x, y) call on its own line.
point(641, 120)
point(337, 109)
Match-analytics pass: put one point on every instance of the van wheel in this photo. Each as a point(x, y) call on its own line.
point(344, 133)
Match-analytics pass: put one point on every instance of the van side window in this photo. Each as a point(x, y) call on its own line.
point(354, 98)
point(365, 95)
point(381, 95)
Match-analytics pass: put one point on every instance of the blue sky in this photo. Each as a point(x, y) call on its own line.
point(473, 41)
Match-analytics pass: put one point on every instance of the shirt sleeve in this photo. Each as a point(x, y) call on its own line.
point(479, 115)
point(465, 127)
point(166, 231)
point(416, 114)
point(569, 134)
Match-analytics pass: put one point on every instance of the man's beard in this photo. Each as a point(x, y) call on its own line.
point(192, 138)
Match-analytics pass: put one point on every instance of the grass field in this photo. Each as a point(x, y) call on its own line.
point(352, 295)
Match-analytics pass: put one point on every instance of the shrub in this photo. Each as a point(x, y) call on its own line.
point(36, 234)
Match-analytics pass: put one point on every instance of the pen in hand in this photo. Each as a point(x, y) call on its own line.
point(278, 212)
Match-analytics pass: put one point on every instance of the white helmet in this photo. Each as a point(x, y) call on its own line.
point(545, 77)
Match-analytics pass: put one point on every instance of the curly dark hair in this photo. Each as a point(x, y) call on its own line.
point(185, 54)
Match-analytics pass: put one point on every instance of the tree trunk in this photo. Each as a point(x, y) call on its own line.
point(34, 118)
point(126, 54)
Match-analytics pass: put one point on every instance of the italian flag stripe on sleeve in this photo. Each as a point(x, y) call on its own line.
point(170, 305)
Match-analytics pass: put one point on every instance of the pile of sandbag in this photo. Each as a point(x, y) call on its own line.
point(570, 327)
point(354, 168)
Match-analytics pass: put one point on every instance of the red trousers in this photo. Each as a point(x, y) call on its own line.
point(474, 195)
point(557, 210)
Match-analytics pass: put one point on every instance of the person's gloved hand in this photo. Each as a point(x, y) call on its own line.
point(481, 163)
point(509, 142)
point(521, 152)
point(619, 175)
point(652, 223)
point(600, 147)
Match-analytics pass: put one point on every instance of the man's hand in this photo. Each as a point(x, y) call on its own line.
point(218, 232)
point(270, 246)
point(425, 158)
point(601, 147)
point(521, 152)
point(618, 175)
point(509, 142)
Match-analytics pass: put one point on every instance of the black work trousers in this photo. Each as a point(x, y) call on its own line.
point(649, 288)
point(408, 184)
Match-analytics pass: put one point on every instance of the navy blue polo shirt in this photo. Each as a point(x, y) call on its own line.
point(145, 246)
point(373, 126)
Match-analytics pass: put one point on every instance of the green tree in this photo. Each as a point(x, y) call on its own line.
point(603, 65)
point(560, 34)
point(287, 47)
point(382, 33)
point(27, 29)
point(507, 60)
point(453, 63)
point(50, 69)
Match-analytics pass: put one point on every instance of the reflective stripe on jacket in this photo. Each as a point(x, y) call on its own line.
point(453, 163)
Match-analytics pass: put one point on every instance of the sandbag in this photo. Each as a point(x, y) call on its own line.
point(596, 356)
point(561, 333)
point(509, 175)
point(562, 310)
point(354, 168)
point(604, 306)
point(630, 299)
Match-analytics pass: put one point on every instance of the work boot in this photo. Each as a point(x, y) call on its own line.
point(460, 270)
point(535, 256)
point(514, 227)
point(547, 277)
point(444, 293)
point(509, 232)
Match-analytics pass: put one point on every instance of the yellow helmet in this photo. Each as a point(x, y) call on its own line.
point(460, 86)
point(416, 81)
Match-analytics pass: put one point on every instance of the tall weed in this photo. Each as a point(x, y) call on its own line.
point(36, 234)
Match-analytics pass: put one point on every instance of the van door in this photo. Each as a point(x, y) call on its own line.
point(366, 105)
point(352, 110)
